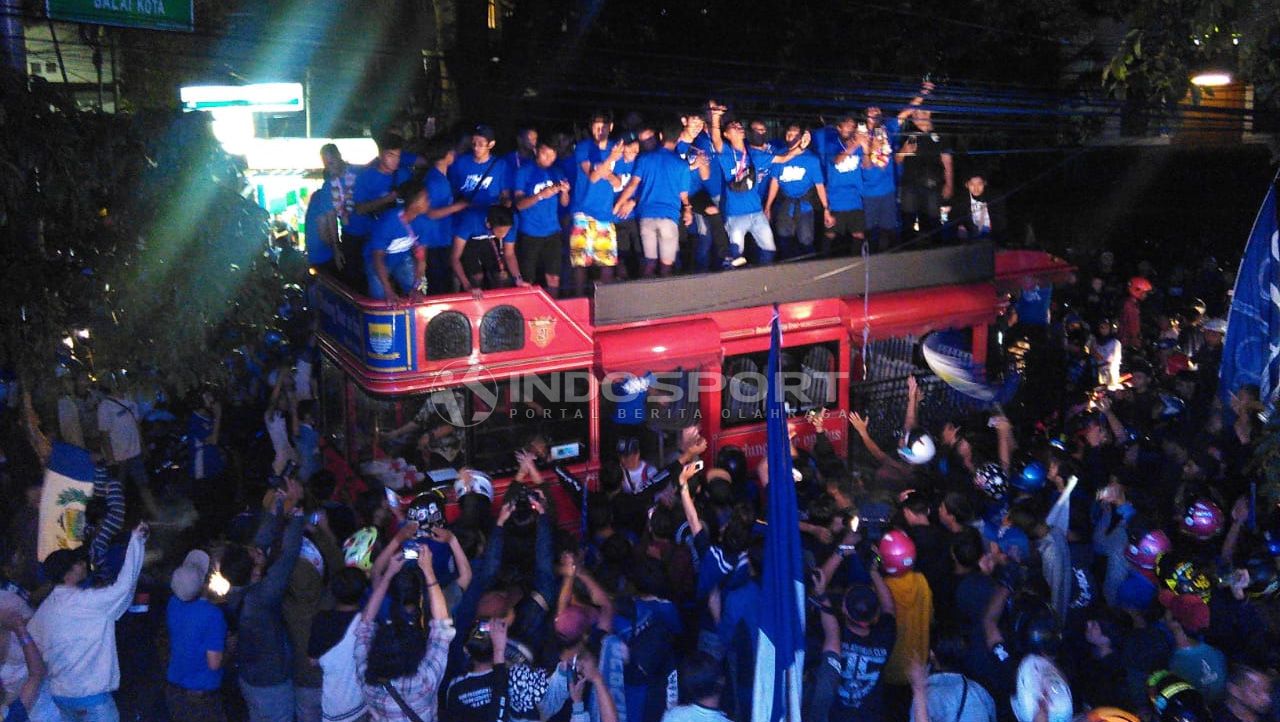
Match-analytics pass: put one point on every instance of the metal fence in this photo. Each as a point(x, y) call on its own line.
point(882, 395)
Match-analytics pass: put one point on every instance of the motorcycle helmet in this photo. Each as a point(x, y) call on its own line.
point(918, 448)
point(1264, 582)
point(1202, 520)
point(1030, 477)
point(1144, 552)
point(1038, 677)
point(732, 460)
point(1182, 575)
point(991, 480)
point(897, 553)
point(1139, 285)
point(1174, 699)
point(1035, 628)
point(427, 509)
point(471, 481)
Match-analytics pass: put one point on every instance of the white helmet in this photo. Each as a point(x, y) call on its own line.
point(1038, 677)
point(471, 481)
point(917, 448)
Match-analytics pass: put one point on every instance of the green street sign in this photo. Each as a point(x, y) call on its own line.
point(145, 14)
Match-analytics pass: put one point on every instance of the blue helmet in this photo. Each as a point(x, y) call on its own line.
point(1030, 478)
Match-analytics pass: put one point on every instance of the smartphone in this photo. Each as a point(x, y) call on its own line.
point(854, 523)
point(313, 518)
point(393, 499)
point(409, 551)
point(697, 466)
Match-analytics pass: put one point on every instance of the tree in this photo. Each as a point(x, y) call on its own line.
point(1170, 39)
point(126, 242)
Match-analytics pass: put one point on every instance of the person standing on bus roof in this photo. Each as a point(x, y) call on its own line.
point(394, 249)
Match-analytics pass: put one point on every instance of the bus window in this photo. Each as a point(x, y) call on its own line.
point(375, 420)
point(512, 413)
point(333, 403)
point(809, 381)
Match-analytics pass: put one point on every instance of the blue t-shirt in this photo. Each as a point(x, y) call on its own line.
point(663, 177)
point(436, 233)
point(844, 183)
point(195, 627)
point(391, 235)
point(764, 171)
point(319, 203)
point(372, 184)
point(592, 199)
point(734, 163)
point(481, 185)
point(623, 169)
point(714, 185)
point(1033, 305)
point(880, 177)
point(797, 176)
point(542, 218)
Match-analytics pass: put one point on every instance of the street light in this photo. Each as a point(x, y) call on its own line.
point(1211, 78)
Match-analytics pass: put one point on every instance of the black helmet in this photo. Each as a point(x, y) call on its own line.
point(1175, 699)
point(427, 509)
point(732, 460)
point(1035, 627)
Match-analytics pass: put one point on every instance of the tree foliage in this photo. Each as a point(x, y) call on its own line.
point(1168, 40)
point(132, 228)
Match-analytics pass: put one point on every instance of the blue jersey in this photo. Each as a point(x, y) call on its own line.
point(542, 218)
point(714, 184)
point(796, 176)
point(319, 203)
point(390, 235)
point(736, 164)
point(623, 170)
point(436, 233)
point(371, 184)
point(663, 177)
point(844, 183)
point(592, 199)
point(481, 184)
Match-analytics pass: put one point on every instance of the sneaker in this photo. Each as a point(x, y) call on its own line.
point(738, 262)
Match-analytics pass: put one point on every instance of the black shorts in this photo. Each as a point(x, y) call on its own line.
point(538, 253)
point(848, 223)
point(480, 257)
point(628, 232)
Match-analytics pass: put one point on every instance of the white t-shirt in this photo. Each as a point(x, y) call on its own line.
point(340, 695)
point(118, 418)
point(302, 380)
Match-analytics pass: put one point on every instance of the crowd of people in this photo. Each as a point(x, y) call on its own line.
point(638, 201)
point(1100, 547)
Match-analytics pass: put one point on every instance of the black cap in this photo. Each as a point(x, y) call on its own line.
point(484, 131)
point(861, 604)
point(629, 137)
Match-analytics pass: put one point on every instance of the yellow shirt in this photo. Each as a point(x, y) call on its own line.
point(913, 611)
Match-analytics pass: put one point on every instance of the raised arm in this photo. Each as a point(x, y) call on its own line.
point(913, 404)
point(599, 597)
point(882, 592)
point(859, 424)
point(435, 595)
point(392, 550)
point(374, 605)
point(925, 88)
point(686, 500)
point(460, 559)
point(36, 670)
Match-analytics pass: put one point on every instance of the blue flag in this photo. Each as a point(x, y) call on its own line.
point(1251, 351)
point(780, 644)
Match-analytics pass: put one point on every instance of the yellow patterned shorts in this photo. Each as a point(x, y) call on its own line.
point(592, 242)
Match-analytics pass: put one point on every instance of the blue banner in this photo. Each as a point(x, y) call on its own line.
point(780, 644)
point(381, 340)
point(1251, 351)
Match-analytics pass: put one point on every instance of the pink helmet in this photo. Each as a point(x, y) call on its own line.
point(1202, 520)
point(1144, 552)
point(897, 553)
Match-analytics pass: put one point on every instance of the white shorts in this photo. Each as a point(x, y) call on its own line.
point(661, 239)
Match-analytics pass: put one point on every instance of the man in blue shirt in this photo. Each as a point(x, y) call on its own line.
point(879, 187)
point(593, 240)
point(625, 222)
point(660, 184)
point(795, 184)
point(844, 220)
point(374, 191)
point(323, 253)
point(743, 211)
point(435, 226)
point(339, 185)
point(478, 263)
point(393, 249)
point(521, 157)
point(540, 191)
point(480, 179)
point(706, 185)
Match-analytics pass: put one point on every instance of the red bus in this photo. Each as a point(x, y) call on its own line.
point(486, 374)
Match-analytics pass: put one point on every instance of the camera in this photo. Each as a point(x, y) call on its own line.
point(522, 497)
